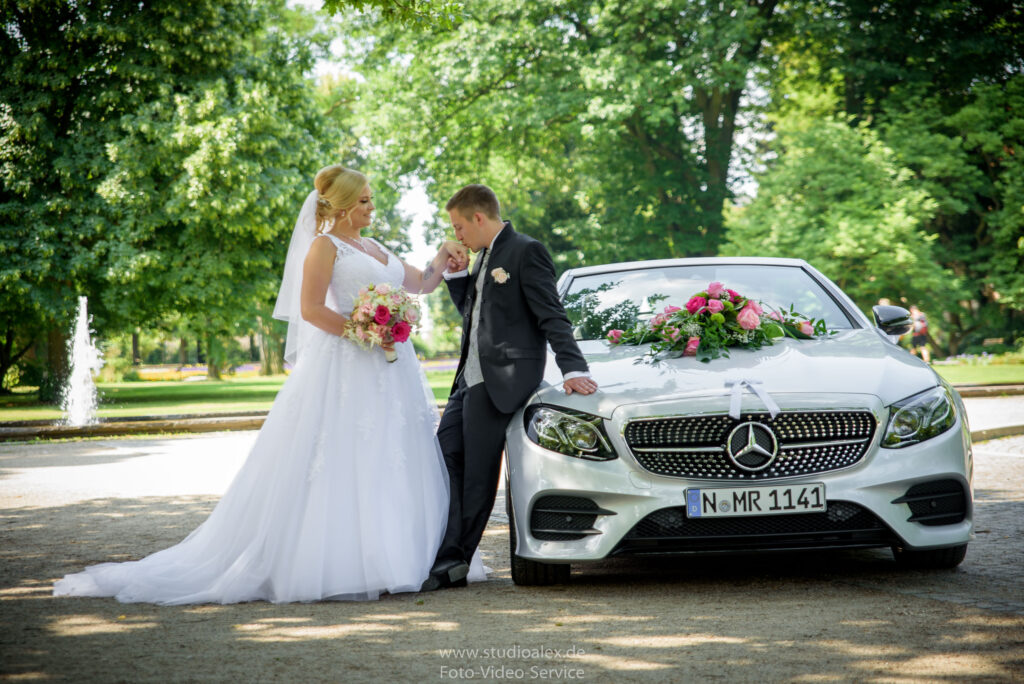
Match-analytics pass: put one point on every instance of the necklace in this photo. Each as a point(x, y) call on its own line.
point(358, 241)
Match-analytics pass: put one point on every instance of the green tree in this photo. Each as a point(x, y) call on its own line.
point(969, 161)
point(939, 84)
point(839, 199)
point(607, 127)
point(152, 156)
point(71, 72)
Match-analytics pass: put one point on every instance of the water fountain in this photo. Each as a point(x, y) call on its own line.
point(78, 399)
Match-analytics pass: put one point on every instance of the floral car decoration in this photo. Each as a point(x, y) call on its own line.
point(714, 320)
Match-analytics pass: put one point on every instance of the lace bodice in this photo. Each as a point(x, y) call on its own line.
point(354, 270)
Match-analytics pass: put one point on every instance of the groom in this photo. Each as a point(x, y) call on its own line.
point(510, 311)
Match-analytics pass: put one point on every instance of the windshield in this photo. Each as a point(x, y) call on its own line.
point(598, 303)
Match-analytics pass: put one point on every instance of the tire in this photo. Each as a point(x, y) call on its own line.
point(930, 559)
point(526, 572)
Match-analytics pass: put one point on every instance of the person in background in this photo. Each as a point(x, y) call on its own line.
point(919, 334)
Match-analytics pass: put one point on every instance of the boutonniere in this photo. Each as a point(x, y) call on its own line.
point(500, 275)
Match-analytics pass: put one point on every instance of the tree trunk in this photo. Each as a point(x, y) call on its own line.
point(183, 352)
point(9, 355)
point(136, 357)
point(271, 357)
point(213, 358)
point(57, 366)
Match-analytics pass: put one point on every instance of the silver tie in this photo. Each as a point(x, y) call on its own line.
point(472, 374)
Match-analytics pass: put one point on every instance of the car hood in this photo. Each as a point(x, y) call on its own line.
point(849, 362)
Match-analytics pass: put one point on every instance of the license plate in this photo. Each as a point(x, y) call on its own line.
point(727, 502)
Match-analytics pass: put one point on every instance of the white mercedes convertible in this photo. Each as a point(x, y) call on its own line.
point(838, 442)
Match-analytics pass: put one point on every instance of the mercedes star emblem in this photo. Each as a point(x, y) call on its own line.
point(752, 446)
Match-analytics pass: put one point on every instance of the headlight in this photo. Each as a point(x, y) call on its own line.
point(568, 432)
point(919, 417)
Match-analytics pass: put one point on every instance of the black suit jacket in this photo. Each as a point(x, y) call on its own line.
point(517, 320)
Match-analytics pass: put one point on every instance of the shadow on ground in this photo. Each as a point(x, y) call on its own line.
point(845, 616)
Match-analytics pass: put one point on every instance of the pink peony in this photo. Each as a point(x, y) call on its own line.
point(748, 318)
point(806, 328)
point(715, 305)
point(672, 309)
point(400, 331)
point(382, 316)
point(695, 304)
point(754, 306)
point(691, 346)
point(615, 336)
point(715, 290)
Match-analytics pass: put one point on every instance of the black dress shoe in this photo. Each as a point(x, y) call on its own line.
point(446, 575)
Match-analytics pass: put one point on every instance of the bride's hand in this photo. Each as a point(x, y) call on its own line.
point(456, 250)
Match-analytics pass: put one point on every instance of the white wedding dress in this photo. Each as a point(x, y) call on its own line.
point(344, 495)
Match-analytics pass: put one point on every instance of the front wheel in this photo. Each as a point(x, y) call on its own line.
point(526, 572)
point(930, 559)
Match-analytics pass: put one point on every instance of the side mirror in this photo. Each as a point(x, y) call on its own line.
point(892, 320)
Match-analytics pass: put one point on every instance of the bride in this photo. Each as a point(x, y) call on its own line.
point(345, 493)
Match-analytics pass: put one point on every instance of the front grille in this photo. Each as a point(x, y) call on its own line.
point(940, 502)
point(843, 525)
point(694, 447)
point(564, 518)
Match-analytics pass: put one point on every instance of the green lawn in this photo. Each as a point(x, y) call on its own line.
point(255, 394)
point(983, 375)
point(119, 399)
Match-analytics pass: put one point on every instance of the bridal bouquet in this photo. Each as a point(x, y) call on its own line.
point(711, 322)
point(382, 314)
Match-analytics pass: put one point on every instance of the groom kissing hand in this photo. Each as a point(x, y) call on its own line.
point(510, 313)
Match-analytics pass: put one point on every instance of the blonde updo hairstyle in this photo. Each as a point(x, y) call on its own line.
point(338, 189)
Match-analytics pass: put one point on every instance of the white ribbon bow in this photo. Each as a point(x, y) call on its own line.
point(737, 385)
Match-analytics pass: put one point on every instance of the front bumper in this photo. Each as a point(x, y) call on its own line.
point(637, 512)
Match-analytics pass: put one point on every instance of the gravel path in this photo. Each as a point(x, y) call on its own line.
point(806, 618)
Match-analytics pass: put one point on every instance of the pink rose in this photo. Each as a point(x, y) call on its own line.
point(806, 328)
point(734, 296)
point(412, 315)
point(400, 331)
point(672, 309)
point(776, 316)
point(691, 346)
point(715, 290)
point(715, 305)
point(672, 333)
point(748, 318)
point(383, 288)
point(382, 316)
point(695, 304)
point(615, 336)
point(755, 306)
point(658, 320)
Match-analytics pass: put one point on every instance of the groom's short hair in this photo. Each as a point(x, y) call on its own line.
point(474, 198)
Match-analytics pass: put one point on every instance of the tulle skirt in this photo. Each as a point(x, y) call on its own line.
point(344, 496)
